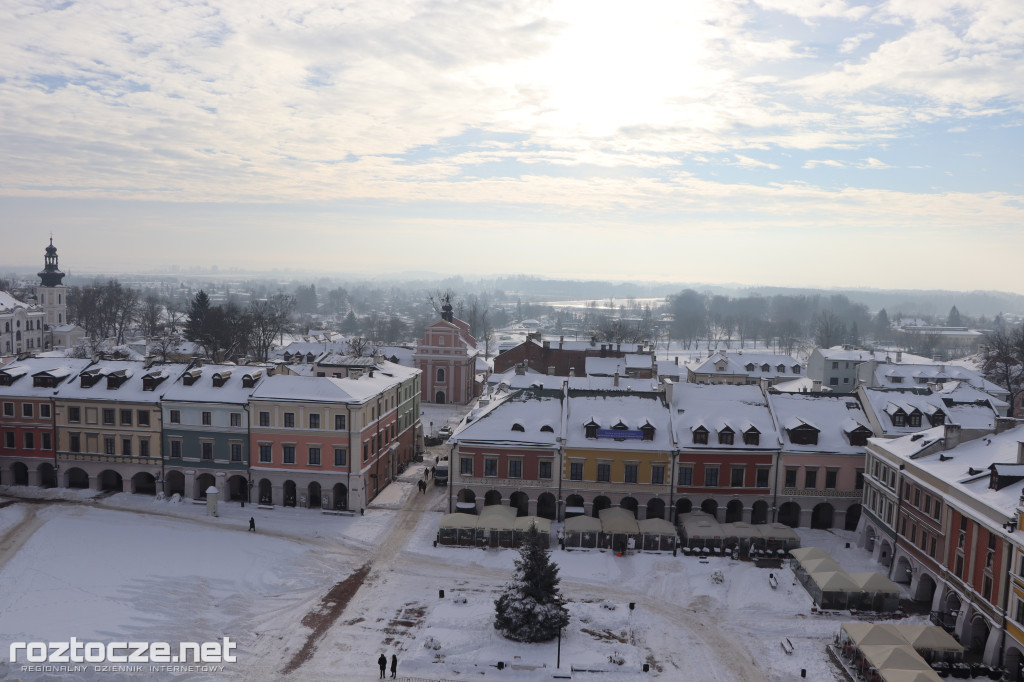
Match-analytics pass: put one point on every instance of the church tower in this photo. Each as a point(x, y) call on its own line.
point(51, 294)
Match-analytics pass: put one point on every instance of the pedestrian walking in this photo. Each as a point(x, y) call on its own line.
point(394, 665)
point(383, 663)
point(423, 488)
point(252, 525)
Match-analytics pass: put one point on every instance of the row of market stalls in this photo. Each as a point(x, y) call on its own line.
point(833, 588)
point(897, 653)
point(617, 529)
point(495, 526)
point(701, 532)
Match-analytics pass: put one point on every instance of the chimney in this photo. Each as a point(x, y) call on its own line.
point(816, 385)
point(604, 350)
point(1020, 452)
point(677, 360)
point(547, 345)
point(561, 340)
point(669, 390)
point(952, 436)
point(520, 368)
point(618, 348)
point(899, 357)
point(572, 371)
point(1004, 424)
point(551, 370)
point(615, 381)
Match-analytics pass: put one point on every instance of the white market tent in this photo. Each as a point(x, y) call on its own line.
point(618, 527)
point(803, 554)
point(496, 526)
point(582, 531)
point(658, 535)
point(700, 530)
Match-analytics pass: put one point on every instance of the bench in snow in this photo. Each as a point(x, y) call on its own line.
point(337, 512)
point(773, 581)
point(787, 646)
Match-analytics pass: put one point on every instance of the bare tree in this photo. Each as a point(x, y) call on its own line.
point(151, 316)
point(268, 318)
point(1003, 360)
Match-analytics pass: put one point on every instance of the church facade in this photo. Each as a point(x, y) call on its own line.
point(447, 357)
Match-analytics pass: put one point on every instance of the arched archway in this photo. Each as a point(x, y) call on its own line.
point(852, 517)
point(600, 502)
point(174, 482)
point(266, 491)
point(902, 572)
point(238, 488)
point(466, 501)
point(76, 478)
point(439, 397)
point(520, 501)
point(144, 484)
point(340, 496)
point(313, 495)
point(789, 514)
point(733, 511)
point(492, 497)
point(547, 506)
point(47, 475)
point(977, 637)
point(683, 506)
point(656, 509)
point(821, 516)
point(111, 481)
point(630, 503)
point(290, 498)
point(925, 588)
point(759, 512)
point(709, 506)
point(20, 473)
point(202, 483)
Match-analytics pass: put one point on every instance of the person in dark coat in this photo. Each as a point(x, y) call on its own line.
point(394, 664)
point(383, 663)
point(252, 525)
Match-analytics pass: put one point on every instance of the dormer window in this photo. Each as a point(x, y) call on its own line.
point(518, 427)
point(938, 418)
point(648, 431)
point(752, 436)
point(249, 380)
point(115, 379)
point(545, 429)
point(725, 436)
point(803, 435)
point(899, 418)
point(796, 369)
point(750, 367)
point(220, 378)
point(896, 380)
point(914, 419)
point(766, 367)
point(590, 429)
point(190, 377)
point(700, 436)
point(38, 381)
point(781, 369)
point(859, 436)
point(89, 379)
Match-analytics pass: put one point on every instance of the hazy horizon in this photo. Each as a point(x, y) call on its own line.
point(801, 144)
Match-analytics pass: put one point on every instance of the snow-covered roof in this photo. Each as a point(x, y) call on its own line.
point(751, 364)
point(921, 374)
point(324, 389)
point(834, 416)
point(9, 303)
point(711, 406)
point(231, 388)
point(23, 372)
point(122, 381)
point(537, 413)
point(885, 402)
point(801, 385)
point(861, 355)
point(609, 409)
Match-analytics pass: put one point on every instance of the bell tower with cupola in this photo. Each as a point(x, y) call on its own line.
point(51, 294)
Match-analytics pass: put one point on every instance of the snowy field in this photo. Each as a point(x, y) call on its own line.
point(132, 567)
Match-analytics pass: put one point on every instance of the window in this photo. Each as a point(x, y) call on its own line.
point(711, 477)
point(75, 442)
point(47, 444)
point(544, 470)
point(340, 457)
point(575, 471)
point(835, 365)
point(289, 454)
point(725, 437)
point(658, 474)
point(314, 457)
point(264, 419)
point(75, 414)
point(175, 448)
point(236, 452)
point(466, 466)
point(937, 509)
point(126, 417)
point(830, 478)
point(108, 445)
point(175, 416)
point(235, 419)
point(30, 440)
point(752, 437)
point(736, 478)
point(27, 410)
point(859, 485)
point(266, 454)
point(914, 419)
point(440, 374)
point(899, 419)
point(631, 470)
point(986, 587)
point(810, 478)
point(207, 450)
point(366, 451)
point(490, 466)
point(314, 421)
point(339, 422)
point(833, 381)
point(790, 478)
point(685, 475)
point(700, 436)
point(9, 409)
point(762, 478)
point(142, 418)
point(108, 416)
point(289, 420)
point(859, 436)
point(515, 468)
point(604, 472)
point(590, 430)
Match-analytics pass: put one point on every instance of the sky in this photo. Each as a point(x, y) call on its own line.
point(775, 142)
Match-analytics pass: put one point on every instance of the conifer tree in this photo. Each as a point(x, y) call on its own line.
point(531, 608)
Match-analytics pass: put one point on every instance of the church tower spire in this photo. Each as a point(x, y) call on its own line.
point(51, 276)
point(52, 293)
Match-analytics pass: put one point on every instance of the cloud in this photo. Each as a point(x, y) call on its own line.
point(747, 162)
point(814, 163)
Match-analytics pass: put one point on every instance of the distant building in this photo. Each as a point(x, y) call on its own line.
point(742, 369)
point(52, 298)
point(447, 357)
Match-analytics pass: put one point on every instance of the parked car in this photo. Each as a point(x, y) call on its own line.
point(445, 432)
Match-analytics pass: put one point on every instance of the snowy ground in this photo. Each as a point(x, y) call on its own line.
point(129, 566)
